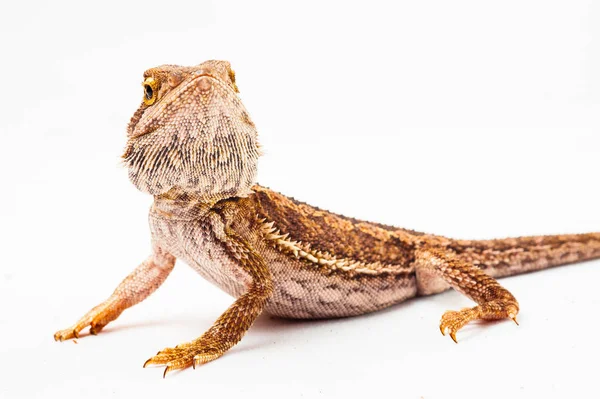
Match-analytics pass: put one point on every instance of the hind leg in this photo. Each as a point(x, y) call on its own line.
point(493, 301)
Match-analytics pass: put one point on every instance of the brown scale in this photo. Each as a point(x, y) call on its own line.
point(192, 145)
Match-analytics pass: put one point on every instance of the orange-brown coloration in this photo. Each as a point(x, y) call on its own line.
point(494, 301)
point(233, 324)
point(142, 282)
point(193, 146)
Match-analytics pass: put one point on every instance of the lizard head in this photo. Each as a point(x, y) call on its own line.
point(192, 134)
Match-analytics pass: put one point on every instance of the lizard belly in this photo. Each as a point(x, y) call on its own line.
point(306, 291)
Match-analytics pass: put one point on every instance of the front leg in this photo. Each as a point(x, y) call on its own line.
point(233, 324)
point(136, 287)
point(494, 301)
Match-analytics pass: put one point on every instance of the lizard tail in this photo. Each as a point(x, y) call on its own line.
point(511, 256)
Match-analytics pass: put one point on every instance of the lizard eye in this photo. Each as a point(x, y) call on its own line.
point(231, 74)
point(150, 89)
point(148, 92)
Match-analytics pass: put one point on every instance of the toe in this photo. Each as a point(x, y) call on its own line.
point(65, 334)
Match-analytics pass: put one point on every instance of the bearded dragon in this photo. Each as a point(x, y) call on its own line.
point(193, 146)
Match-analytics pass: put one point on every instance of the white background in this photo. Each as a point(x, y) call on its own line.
point(471, 119)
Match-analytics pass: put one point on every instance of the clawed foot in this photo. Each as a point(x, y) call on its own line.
point(193, 353)
point(96, 319)
point(73, 332)
point(452, 321)
point(69, 333)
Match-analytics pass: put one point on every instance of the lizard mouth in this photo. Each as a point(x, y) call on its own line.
point(144, 133)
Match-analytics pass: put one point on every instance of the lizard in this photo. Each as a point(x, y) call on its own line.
point(192, 145)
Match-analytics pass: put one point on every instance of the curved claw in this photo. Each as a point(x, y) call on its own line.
point(443, 330)
point(146, 363)
point(453, 336)
point(197, 361)
point(185, 355)
point(515, 320)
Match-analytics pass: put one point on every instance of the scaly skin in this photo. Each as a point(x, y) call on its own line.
point(193, 146)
